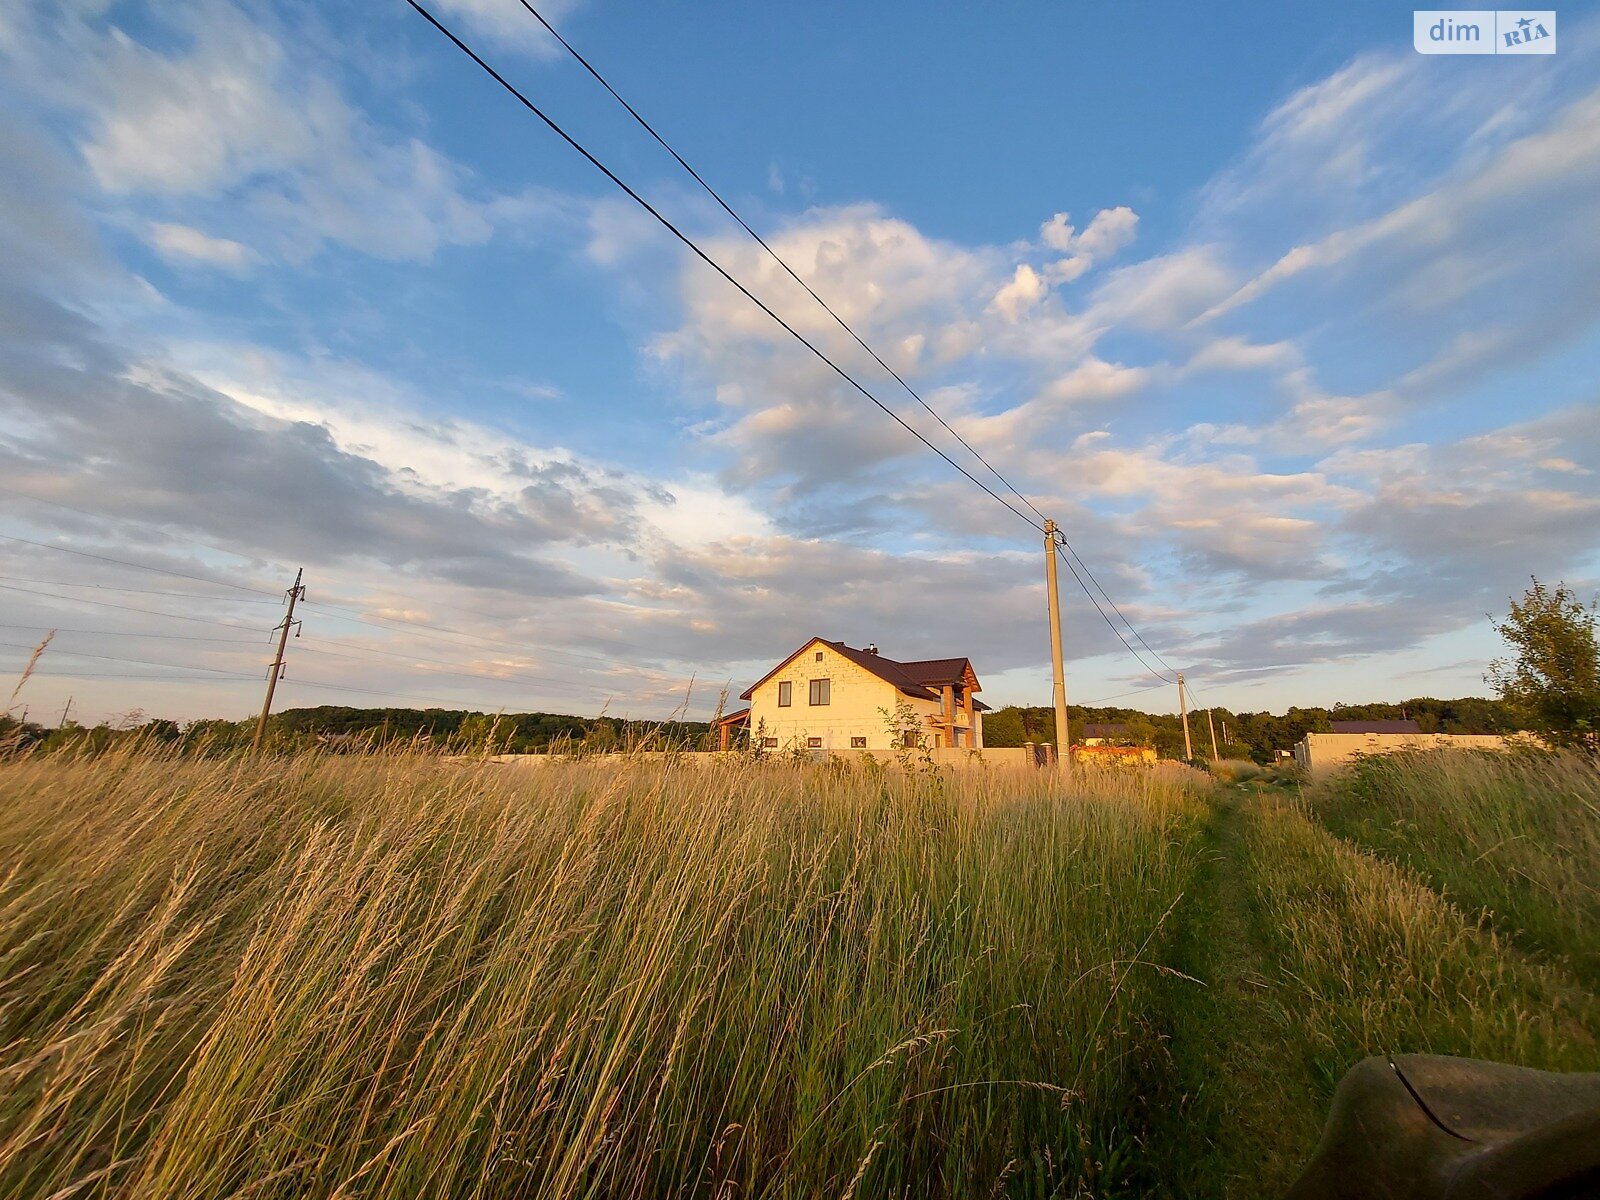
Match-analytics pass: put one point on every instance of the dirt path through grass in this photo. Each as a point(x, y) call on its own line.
point(1311, 955)
point(1247, 1114)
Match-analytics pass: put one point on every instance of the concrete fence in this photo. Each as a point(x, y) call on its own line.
point(1319, 753)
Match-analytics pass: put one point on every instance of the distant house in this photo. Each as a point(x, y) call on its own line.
point(1375, 727)
point(1104, 734)
point(833, 697)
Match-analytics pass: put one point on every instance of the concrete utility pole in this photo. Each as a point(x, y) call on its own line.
point(1210, 724)
point(1058, 669)
point(1183, 710)
point(297, 592)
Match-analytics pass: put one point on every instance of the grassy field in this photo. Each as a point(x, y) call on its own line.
point(387, 977)
point(1516, 837)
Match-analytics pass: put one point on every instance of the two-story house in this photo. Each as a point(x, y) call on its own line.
point(829, 696)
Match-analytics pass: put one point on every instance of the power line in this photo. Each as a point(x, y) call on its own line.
point(1115, 609)
point(141, 662)
point(776, 257)
point(557, 681)
point(711, 262)
point(152, 612)
point(372, 621)
point(82, 512)
point(122, 562)
point(842, 323)
point(180, 637)
point(52, 673)
point(1104, 616)
point(706, 258)
point(111, 587)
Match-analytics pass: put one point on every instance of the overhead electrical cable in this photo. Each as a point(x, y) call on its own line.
point(151, 612)
point(694, 247)
point(776, 257)
point(842, 323)
point(1109, 622)
point(142, 662)
point(122, 562)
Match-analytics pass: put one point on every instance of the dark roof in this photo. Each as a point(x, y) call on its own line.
point(1375, 727)
point(739, 716)
point(1105, 730)
point(919, 679)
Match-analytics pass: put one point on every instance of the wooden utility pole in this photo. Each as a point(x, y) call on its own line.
point(64, 713)
point(1210, 724)
point(297, 592)
point(1058, 669)
point(1183, 710)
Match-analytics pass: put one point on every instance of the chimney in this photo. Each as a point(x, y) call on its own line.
point(872, 647)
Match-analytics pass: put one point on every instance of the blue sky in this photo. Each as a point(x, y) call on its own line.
point(1293, 330)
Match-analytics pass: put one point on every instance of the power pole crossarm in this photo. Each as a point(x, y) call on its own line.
point(1057, 667)
point(296, 593)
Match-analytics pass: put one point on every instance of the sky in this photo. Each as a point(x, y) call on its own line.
point(1293, 330)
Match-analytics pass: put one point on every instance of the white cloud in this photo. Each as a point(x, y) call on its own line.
point(510, 25)
point(1108, 232)
point(213, 109)
point(181, 243)
point(1096, 379)
point(1021, 292)
point(1164, 293)
point(1240, 354)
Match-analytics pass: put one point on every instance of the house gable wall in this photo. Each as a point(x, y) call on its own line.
point(856, 697)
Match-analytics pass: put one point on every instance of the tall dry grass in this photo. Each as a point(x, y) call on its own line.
point(1516, 836)
point(401, 977)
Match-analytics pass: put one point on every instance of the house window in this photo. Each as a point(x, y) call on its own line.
point(910, 739)
point(785, 694)
point(814, 743)
point(770, 743)
point(819, 656)
point(858, 743)
point(820, 691)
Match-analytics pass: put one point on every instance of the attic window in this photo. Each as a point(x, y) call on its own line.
point(819, 655)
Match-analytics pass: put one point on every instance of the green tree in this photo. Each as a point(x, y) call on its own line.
point(1553, 678)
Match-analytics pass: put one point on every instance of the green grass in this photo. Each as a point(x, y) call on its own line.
point(1370, 960)
point(1516, 837)
point(1311, 956)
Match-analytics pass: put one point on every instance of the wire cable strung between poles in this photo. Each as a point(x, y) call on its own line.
point(559, 682)
point(777, 258)
point(1109, 622)
point(701, 254)
point(711, 262)
point(1140, 637)
point(842, 323)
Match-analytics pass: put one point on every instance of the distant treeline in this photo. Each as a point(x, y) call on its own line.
point(335, 727)
point(1256, 735)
